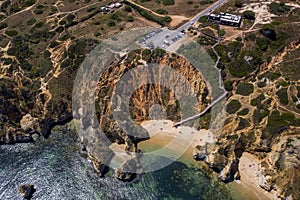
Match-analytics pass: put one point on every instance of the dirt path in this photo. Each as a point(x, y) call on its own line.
point(72, 11)
point(143, 7)
point(17, 13)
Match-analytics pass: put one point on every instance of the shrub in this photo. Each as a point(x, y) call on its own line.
point(238, 3)
point(40, 6)
point(259, 114)
point(261, 84)
point(62, 22)
point(130, 19)
point(243, 123)
point(70, 17)
point(262, 43)
point(59, 29)
point(7, 61)
point(162, 11)
point(222, 32)
point(39, 24)
point(159, 52)
point(257, 101)
point(3, 25)
point(206, 2)
point(168, 2)
point(279, 8)
point(268, 32)
point(190, 2)
point(248, 14)
point(228, 85)
point(203, 19)
point(111, 23)
point(283, 96)
point(90, 9)
point(233, 106)
point(11, 33)
point(31, 21)
point(245, 89)
point(14, 9)
point(38, 12)
point(128, 8)
point(278, 122)
point(243, 112)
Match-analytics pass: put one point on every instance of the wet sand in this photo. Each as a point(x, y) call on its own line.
point(163, 133)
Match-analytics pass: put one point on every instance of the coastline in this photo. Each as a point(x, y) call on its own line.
point(162, 133)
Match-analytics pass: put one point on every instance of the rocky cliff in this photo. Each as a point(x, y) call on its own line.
point(142, 104)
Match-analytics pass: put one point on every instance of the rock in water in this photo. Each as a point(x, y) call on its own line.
point(26, 191)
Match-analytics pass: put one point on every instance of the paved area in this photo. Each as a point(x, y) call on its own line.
point(165, 37)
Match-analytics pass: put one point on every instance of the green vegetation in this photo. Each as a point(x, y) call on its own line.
point(278, 122)
point(111, 23)
point(168, 2)
point(270, 75)
point(159, 52)
point(39, 25)
point(21, 50)
point(38, 12)
point(70, 17)
point(90, 9)
point(283, 96)
point(245, 89)
point(248, 14)
point(162, 11)
point(203, 19)
point(31, 21)
point(160, 20)
point(203, 2)
point(243, 123)
point(222, 32)
point(279, 8)
point(11, 33)
point(262, 44)
point(128, 8)
point(228, 85)
point(238, 3)
point(3, 25)
point(243, 112)
point(259, 114)
point(257, 101)
point(130, 19)
point(233, 106)
point(261, 84)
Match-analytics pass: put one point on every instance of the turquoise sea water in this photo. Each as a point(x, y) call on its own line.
point(57, 170)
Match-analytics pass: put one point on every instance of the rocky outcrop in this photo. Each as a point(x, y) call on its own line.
point(31, 105)
point(142, 100)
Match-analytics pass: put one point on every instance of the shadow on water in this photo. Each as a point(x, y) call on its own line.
point(57, 171)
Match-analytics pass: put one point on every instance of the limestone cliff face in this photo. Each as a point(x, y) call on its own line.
point(36, 97)
point(143, 101)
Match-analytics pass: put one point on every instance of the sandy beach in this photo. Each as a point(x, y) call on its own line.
point(162, 133)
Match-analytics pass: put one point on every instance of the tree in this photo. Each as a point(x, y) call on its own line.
point(238, 3)
point(128, 8)
point(248, 14)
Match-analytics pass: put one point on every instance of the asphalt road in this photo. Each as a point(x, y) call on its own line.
point(164, 38)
